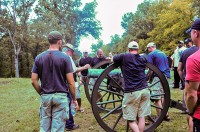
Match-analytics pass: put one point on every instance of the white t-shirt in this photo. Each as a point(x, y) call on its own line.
point(73, 64)
point(177, 54)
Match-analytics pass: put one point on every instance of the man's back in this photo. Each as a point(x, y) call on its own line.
point(52, 67)
point(133, 69)
point(159, 59)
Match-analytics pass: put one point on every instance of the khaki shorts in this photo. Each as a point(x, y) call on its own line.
point(136, 104)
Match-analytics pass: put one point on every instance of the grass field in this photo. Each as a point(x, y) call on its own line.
point(20, 103)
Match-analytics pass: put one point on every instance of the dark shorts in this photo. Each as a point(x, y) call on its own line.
point(196, 125)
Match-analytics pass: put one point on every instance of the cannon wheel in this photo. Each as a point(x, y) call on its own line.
point(87, 85)
point(112, 121)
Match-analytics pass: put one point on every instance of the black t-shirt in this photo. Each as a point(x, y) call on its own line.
point(97, 60)
point(186, 53)
point(133, 69)
point(83, 62)
point(52, 67)
point(74, 74)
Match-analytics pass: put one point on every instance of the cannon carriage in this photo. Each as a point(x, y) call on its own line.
point(107, 93)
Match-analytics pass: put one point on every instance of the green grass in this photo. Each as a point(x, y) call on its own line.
point(20, 103)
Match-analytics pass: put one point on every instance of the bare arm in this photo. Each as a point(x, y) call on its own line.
point(149, 76)
point(180, 70)
point(79, 69)
point(72, 88)
point(191, 98)
point(71, 84)
point(34, 79)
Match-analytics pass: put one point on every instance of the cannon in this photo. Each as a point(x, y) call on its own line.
point(107, 108)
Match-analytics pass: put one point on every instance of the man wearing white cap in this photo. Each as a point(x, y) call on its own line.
point(136, 101)
point(159, 59)
point(69, 50)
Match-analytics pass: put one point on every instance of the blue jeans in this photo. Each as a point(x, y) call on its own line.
point(70, 121)
point(53, 112)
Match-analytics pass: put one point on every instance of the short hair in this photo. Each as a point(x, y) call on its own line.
point(53, 41)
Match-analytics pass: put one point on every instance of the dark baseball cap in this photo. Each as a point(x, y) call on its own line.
point(187, 40)
point(195, 25)
point(55, 35)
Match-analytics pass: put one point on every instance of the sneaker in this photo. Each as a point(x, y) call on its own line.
point(76, 126)
point(184, 112)
point(81, 110)
point(167, 118)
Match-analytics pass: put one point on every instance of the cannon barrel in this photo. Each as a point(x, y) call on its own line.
point(94, 73)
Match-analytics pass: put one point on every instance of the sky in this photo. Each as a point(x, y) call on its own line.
point(109, 13)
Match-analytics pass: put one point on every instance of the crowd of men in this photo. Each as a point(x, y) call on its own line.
point(54, 78)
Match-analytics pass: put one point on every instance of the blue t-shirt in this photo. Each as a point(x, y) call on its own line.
point(133, 70)
point(186, 53)
point(52, 67)
point(160, 60)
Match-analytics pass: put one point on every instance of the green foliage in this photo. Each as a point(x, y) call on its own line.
point(126, 18)
point(110, 47)
point(163, 22)
point(27, 37)
point(68, 18)
point(97, 46)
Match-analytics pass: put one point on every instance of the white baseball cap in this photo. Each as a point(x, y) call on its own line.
point(151, 44)
point(133, 45)
point(70, 46)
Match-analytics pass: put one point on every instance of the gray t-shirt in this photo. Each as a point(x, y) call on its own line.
point(52, 67)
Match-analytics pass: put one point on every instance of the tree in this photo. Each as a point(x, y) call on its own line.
point(126, 19)
point(110, 47)
point(97, 46)
point(72, 21)
point(171, 24)
point(14, 16)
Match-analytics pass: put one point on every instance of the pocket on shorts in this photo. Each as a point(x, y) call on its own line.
point(65, 114)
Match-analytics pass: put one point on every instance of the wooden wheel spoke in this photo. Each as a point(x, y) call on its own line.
point(110, 112)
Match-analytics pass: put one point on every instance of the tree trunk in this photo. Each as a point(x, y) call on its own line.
point(16, 66)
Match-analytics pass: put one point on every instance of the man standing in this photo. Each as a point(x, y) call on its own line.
point(136, 101)
point(99, 58)
point(53, 90)
point(83, 61)
point(182, 72)
point(69, 50)
point(188, 42)
point(176, 57)
point(186, 53)
point(192, 85)
point(159, 59)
